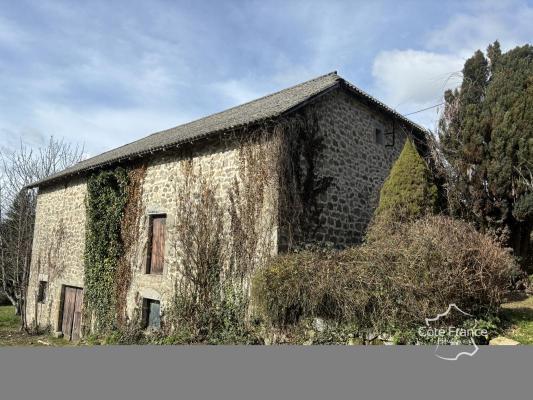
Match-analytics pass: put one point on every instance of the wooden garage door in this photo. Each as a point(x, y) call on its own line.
point(71, 317)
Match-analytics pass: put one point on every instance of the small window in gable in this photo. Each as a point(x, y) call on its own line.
point(379, 137)
point(42, 293)
point(156, 244)
point(151, 314)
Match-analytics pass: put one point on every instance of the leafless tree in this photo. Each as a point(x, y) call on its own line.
point(18, 169)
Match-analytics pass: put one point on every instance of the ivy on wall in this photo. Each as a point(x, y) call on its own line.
point(129, 234)
point(106, 199)
point(288, 157)
point(302, 182)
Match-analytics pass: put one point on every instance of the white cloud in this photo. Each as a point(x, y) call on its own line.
point(102, 129)
point(510, 22)
point(108, 74)
point(236, 91)
point(340, 29)
point(13, 137)
point(10, 34)
point(411, 80)
point(405, 77)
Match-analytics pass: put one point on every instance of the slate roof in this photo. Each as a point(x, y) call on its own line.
point(264, 108)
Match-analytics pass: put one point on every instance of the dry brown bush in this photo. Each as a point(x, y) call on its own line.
point(401, 275)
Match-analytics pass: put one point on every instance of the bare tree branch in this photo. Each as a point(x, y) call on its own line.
point(17, 209)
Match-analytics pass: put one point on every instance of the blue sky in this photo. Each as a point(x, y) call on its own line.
point(106, 73)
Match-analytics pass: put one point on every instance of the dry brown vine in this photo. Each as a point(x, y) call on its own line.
point(130, 238)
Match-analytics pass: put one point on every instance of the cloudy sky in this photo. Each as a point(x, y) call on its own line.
point(106, 73)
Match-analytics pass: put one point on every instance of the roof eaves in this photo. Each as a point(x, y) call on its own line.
point(336, 83)
point(382, 105)
point(62, 175)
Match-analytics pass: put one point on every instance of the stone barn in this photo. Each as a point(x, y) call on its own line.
point(299, 166)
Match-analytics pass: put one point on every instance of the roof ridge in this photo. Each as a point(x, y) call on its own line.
point(266, 107)
point(249, 102)
point(214, 114)
point(380, 103)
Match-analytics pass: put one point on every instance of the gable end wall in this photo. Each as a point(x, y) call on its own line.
point(357, 163)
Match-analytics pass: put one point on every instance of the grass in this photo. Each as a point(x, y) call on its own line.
point(11, 335)
point(518, 317)
point(8, 319)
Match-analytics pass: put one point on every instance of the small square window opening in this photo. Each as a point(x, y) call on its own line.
point(151, 314)
point(42, 293)
point(379, 137)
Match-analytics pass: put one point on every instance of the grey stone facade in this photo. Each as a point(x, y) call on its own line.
point(352, 157)
point(58, 249)
point(356, 162)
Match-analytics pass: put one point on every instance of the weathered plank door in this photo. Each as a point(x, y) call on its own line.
point(157, 256)
point(72, 308)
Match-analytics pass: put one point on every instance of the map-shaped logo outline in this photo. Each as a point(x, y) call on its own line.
point(462, 353)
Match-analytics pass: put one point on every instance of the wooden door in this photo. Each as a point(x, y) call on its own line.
point(157, 256)
point(76, 321)
point(71, 317)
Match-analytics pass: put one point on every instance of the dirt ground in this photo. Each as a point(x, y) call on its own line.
point(11, 335)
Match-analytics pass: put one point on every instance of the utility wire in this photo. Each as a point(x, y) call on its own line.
point(424, 109)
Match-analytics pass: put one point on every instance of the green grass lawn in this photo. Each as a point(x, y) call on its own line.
point(8, 319)
point(11, 335)
point(518, 315)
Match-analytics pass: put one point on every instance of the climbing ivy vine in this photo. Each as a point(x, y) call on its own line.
point(106, 200)
point(301, 180)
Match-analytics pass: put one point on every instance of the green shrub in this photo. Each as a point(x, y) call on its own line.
point(223, 321)
point(282, 291)
point(392, 282)
point(408, 191)
point(128, 335)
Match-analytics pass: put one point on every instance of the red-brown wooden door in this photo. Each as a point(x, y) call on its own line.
point(157, 253)
point(71, 317)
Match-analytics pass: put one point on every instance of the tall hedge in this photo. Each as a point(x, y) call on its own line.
point(408, 191)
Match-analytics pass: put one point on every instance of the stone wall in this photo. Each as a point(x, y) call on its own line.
point(58, 249)
point(219, 163)
point(59, 238)
point(356, 162)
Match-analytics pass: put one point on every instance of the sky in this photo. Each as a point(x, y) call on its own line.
point(105, 73)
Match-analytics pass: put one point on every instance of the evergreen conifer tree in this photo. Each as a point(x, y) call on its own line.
point(486, 134)
point(408, 191)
